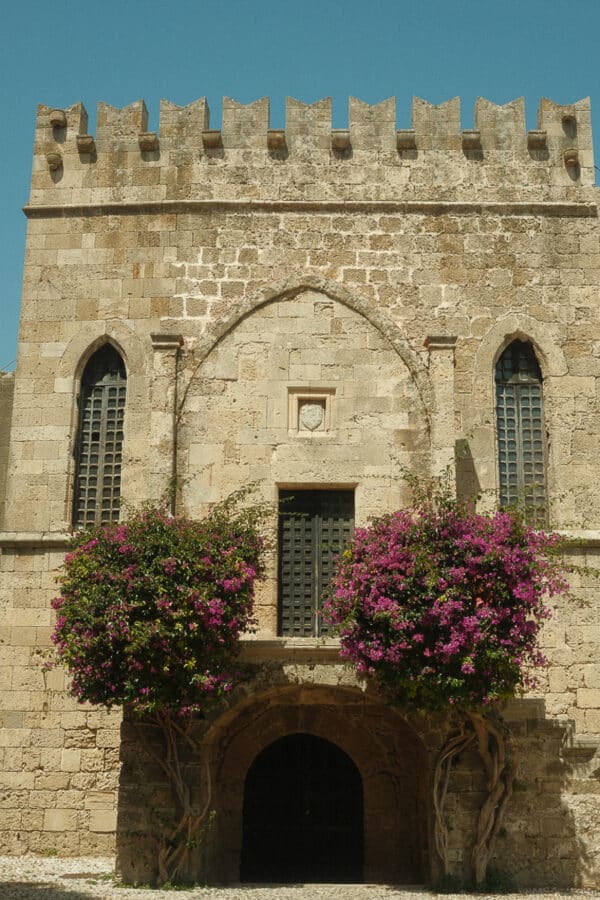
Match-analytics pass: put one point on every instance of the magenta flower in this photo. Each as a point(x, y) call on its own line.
point(151, 609)
point(443, 605)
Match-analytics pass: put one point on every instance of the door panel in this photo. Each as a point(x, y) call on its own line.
point(313, 528)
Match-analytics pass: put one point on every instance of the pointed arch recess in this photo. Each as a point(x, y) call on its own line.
point(290, 289)
point(90, 338)
point(520, 430)
point(544, 338)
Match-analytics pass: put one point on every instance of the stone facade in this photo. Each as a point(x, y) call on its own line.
point(305, 308)
point(6, 396)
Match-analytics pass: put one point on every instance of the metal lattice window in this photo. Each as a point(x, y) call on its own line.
point(100, 440)
point(313, 528)
point(520, 424)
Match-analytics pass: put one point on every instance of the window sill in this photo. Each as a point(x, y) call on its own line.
point(259, 648)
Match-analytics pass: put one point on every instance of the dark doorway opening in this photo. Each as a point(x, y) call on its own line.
point(303, 814)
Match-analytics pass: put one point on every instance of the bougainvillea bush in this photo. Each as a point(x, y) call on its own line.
point(151, 609)
point(444, 606)
point(149, 617)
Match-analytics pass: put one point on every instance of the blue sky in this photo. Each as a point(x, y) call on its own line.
point(118, 51)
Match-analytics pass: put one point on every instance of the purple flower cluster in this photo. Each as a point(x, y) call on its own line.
point(444, 606)
point(151, 610)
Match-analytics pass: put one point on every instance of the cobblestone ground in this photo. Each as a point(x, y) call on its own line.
point(37, 878)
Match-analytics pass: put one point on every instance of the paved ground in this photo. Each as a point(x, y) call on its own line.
point(39, 878)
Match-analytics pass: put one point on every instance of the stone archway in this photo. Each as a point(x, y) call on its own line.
point(291, 289)
point(303, 814)
point(389, 756)
point(242, 408)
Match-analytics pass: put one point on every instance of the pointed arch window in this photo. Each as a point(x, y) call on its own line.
point(520, 427)
point(98, 451)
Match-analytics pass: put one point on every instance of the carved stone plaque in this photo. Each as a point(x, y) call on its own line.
point(310, 411)
point(311, 415)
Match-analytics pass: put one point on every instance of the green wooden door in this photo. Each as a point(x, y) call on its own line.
point(313, 527)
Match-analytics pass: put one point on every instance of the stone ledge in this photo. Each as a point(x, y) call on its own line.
point(290, 649)
point(24, 540)
point(581, 746)
point(581, 537)
point(60, 540)
point(416, 207)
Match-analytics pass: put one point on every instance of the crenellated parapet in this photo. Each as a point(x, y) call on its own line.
point(371, 159)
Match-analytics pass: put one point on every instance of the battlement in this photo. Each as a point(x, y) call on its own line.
point(436, 158)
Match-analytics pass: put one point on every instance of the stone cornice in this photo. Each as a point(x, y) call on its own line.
point(441, 342)
point(59, 540)
point(166, 341)
point(408, 207)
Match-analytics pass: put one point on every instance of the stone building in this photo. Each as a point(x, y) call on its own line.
point(314, 310)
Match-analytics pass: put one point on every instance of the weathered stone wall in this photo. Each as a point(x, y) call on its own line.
point(426, 282)
point(59, 762)
point(241, 273)
point(6, 402)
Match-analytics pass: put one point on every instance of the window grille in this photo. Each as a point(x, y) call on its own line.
point(100, 439)
point(520, 425)
point(313, 528)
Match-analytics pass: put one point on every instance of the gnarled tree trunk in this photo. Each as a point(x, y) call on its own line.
point(186, 830)
point(453, 746)
point(497, 749)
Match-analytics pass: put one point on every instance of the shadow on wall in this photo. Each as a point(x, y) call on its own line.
point(538, 844)
point(468, 487)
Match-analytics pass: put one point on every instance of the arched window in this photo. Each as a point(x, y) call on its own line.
point(99, 439)
point(520, 425)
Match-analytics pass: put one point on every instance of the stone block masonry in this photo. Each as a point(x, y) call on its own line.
point(6, 396)
point(306, 308)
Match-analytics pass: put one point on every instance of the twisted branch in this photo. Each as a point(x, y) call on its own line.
point(497, 749)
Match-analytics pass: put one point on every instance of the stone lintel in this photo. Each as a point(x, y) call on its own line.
point(290, 649)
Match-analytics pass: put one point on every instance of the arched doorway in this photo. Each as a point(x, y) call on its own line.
point(303, 814)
